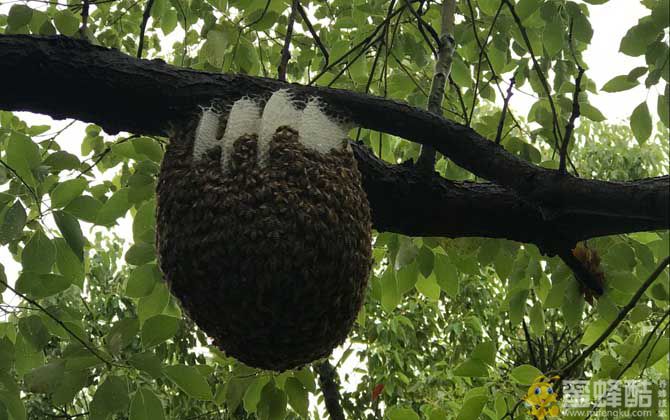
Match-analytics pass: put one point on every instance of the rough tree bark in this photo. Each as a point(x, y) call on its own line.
point(67, 78)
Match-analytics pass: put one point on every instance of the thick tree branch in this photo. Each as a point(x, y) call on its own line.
point(331, 393)
point(67, 78)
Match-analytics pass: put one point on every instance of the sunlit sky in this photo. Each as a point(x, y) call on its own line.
point(610, 22)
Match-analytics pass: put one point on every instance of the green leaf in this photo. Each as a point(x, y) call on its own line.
point(23, 156)
point(473, 403)
point(215, 47)
point(13, 223)
point(390, 295)
point(438, 414)
point(190, 381)
point(68, 263)
point(619, 83)
point(486, 352)
point(39, 254)
point(142, 280)
point(359, 70)
point(34, 331)
point(297, 396)
point(401, 413)
point(640, 123)
point(153, 304)
point(66, 22)
point(593, 331)
point(149, 148)
point(472, 368)
point(121, 334)
point(489, 6)
point(460, 73)
point(582, 29)
point(636, 40)
point(40, 286)
point(147, 362)
point(19, 15)
point(146, 406)
point(663, 109)
point(272, 404)
point(46, 379)
point(525, 8)
point(428, 287)
point(144, 223)
point(110, 397)
point(446, 275)
point(71, 231)
point(115, 207)
point(169, 21)
point(10, 396)
point(66, 191)
point(61, 161)
point(591, 112)
point(537, 324)
point(157, 329)
point(525, 374)
point(306, 377)
point(85, 208)
point(252, 396)
point(72, 382)
point(553, 37)
point(140, 253)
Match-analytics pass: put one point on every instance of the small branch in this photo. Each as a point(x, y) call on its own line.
point(33, 193)
point(286, 51)
point(501, 123)
point(529, 342)
point(620, 317)
point(330, 391)
point(143, 26)
point(84, 16)
point(595, 404)
point(571, 122)
point(538, 70)
point(315, 35)
point(265, 10)
point(445, 53)
point(421, 24)
point(81, 341)
point(575, 108)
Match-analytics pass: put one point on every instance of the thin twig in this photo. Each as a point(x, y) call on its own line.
point(538, 70)
point(529, 342)
point(595, 404)
point(81, 341)
point(575, 108)
point(620, 317)
point(286, 51)
point(501, 123)
point(444, 57)
point(315, 35)
point(143, 26)
point(84, 16)
point(38, 201)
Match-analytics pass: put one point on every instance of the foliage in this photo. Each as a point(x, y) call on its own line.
point(451, 328)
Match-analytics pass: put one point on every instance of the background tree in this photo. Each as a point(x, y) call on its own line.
point(477, 288)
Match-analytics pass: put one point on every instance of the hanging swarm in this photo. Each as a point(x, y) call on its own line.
point(264, 230)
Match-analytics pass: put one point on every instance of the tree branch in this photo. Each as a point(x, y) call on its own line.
point(68, 78)
point(286, 50)
point(620, 317)
point(445, 52)
point(331, 395)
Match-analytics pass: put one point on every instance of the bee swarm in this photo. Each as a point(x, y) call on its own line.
point(264, 235)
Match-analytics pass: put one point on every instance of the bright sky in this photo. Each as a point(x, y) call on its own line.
point(610, 22)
